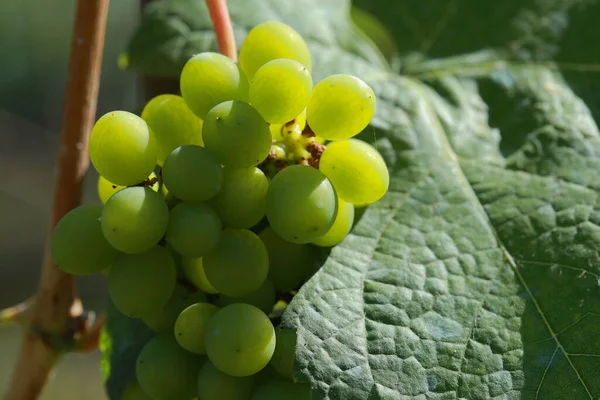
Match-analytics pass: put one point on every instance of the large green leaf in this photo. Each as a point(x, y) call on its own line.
point(477, 276)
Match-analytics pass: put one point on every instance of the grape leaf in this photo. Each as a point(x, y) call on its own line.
point(477, 276)
point(122, 340)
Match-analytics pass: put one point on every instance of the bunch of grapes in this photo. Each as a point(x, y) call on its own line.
point(213, 202)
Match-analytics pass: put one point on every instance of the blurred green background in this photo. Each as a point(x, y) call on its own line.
point(34, 49)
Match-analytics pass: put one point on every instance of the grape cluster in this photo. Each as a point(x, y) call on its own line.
point(212, 204)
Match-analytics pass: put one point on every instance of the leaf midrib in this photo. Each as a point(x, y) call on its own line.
point(449, 152)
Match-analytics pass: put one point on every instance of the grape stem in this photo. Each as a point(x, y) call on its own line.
point(219, 14)
point(55, 310)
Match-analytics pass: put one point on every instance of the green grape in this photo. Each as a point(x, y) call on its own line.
point(193, 269)
point(166, 371)
point(173, 124)
point(140, 284)
point(269, 41)
point(238, 265)
point(134, 219)
point(190, 173)
point(340, 107)
point(301, 204)
point(341, 227)
point(278, 390)
point(78, 245)
point(215, 385)
point(357, 171)
point(240, 340)
point(122, 148)
point(194, 229)
point(280, 90)
point(263, 298)
point(208, 79)
point(236, 134)
point(163, 319)
point(191, 324)
point(285, 349)
point(134, 392)
point(290, 264)
point(241, 201)
point(106, 189)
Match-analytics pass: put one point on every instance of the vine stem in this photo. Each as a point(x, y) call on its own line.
point(56, 316)
point(219, 15)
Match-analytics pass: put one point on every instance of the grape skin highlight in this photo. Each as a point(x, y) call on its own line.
point(269, 41)
point(78, 245)
point(301, 204)
point(140, 284)
point(236, 134)
point(122, 148)
point(340, 107)
point(134, 219)
point(240, 340)
point(357, 171)
point(208, 79)
point(173, 124)
point(280, 90)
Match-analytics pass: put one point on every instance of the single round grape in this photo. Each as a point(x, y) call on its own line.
point(173, 124)
point(280, 90)
point(135, 392)
point(290, 264)
point(163, 319)
point(285, 350)
point(239, 264)
point(134, 219)
point(208, 79)
point(78, 245)
point(236, 134)
point(122, 148)
point(301, 204)
point(215, 385)
point(106, 189)
point(269, 41)
point(194, 229)
point(341, 227)
point(279, 389)
point(140, 284)
point(240, 340)
point(357, 171)
point(193, 269)
point(191, 173)
point(191, 324)
point(263, 298)
point(340, 106)
point(241, 201)
point(166, 371)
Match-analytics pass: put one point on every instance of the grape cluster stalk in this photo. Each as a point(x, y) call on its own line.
point(213, 204)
